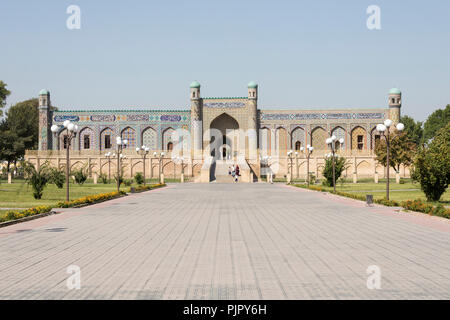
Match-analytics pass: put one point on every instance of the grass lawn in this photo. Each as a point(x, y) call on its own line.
point(398, 192)
point(19, 194)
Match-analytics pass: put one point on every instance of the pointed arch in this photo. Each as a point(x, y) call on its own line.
point(340, 133)
point(150, 138)
point(359, 139)
point(86, 139)
point(167, 138)
point(318, 138)
point(130, 134)
point(107, 141)
point(297, 138)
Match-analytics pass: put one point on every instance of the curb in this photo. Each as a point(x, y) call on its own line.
point(25, 219)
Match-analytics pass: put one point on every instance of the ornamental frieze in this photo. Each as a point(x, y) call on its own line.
point(66, 117)
point(224, 105)
point(103, 118)
point(170, 118)
point(322, 116)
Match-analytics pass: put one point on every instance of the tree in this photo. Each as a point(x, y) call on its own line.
point(413, 129)
point(19, 131)
point(37, 179)
point(9, 144)
point(402, 150)
point(23, 119)
point(339, 166)
point(57, 177)
point(4, 93)
point(432, 165)
point(437, 120)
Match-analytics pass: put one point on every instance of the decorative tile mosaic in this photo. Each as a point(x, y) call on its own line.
point(224, 104)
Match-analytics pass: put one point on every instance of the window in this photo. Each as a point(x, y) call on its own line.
point(169, 146)
point(193, 94)
point(107, 141)
point(337, 145)
point(65, 142)
point(377, 140)
point(360, 142)
point(87, 142)
point(298, 145)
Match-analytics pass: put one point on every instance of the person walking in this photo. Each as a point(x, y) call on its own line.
point(237, 170)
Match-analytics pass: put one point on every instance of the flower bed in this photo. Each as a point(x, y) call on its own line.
point(148, 187)
point(413, 205)
point(19, 214)
point(90, 199)
point(420, 206)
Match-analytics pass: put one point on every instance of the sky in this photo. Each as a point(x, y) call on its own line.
point(303, 54)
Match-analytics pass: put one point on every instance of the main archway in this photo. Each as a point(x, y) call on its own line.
point(226, 133)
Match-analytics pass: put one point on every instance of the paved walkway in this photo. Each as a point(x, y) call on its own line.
point(227, 241)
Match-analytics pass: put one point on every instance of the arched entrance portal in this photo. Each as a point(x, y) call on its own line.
point(224, 140)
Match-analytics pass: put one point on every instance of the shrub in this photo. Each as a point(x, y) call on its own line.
point(80, 176)
point(432, 165)
point(18, 214)
point(147, 187)
point(339, 166)
point(420, 206)
point(90, 199)
point(103, 178)
point(38, 179)
point(57, 177)
point(139, 178)
point(128, 182)
point(120, 178)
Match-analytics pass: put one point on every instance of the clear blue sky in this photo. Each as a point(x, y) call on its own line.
point(306, 54)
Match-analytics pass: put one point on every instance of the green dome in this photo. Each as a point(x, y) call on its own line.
point(195, 84)
point(395, 91)
point(252, 85)
point(43, 92)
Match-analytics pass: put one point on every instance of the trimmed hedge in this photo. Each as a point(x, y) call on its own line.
point(413, 205)
point(90, 199)
point(19, 214)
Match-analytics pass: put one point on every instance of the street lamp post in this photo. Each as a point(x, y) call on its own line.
point(143, 152)
point(72, 130)
point(120, 145)
point(181, 159)
point(383, 129)
point(160, 157)
point(332, 143)
point(108, 156)
point(266, 162)
point(289, 154)
point(308, 151)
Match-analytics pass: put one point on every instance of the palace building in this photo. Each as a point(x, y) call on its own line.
point(213, 134)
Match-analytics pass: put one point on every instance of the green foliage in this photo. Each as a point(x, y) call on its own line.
point(120, 178)
point(432, 165)
point(19, 131)
point(402, 150)
point(80, 176)
point(4, 93)
point(128, 182)
point(139, 178)
point(18, 214)
point(413, 129)
point(340, 165)
point(419, 206)
point(436, 121)
point(57, 177)
point(37, 179)
point(104, 178)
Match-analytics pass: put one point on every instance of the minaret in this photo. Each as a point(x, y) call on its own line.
point(252, 120)
point(45, 136)
point(196, 120)
point(395, 104)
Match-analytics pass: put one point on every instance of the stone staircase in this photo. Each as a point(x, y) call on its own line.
point(221, 172)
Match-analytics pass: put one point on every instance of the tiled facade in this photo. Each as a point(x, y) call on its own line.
point(276, 132)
